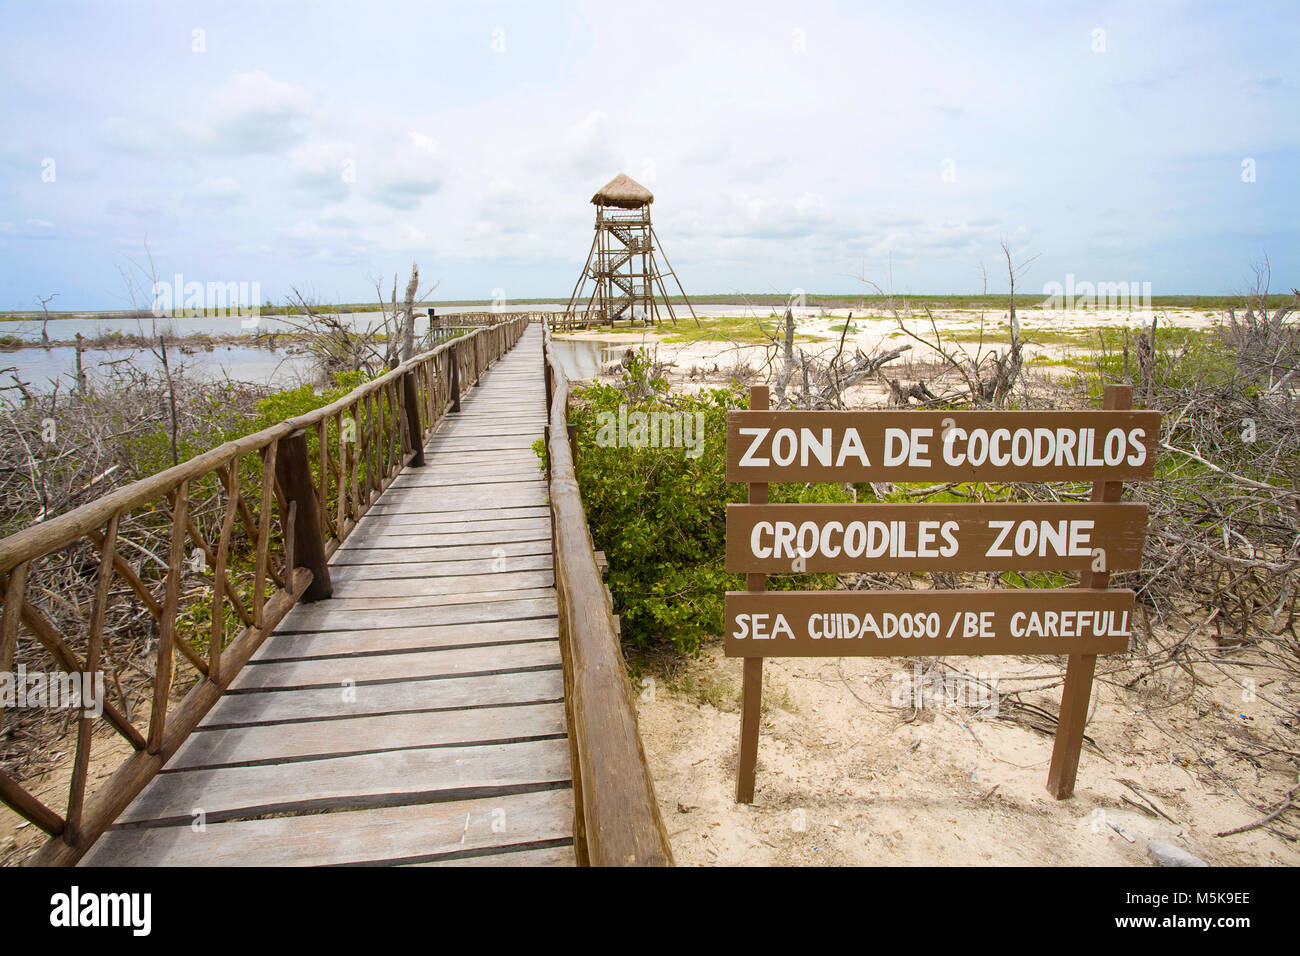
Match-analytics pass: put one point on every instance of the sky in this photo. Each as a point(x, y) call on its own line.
point(324, 147)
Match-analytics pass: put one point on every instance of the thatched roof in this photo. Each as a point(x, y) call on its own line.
point(624, 192)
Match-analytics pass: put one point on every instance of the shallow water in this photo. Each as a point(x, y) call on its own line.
point(40, 368)
point(66, 329)
point(586, 358)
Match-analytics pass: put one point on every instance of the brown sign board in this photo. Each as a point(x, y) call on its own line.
point(929, 623)
point(794, 538)
point(941, 446)
point(1106, 447)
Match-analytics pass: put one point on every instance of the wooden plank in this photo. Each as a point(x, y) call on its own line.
point(279, 742)
point(524, 471)
point(465, 449)
point(469, 482)
point(363, 540)
point(493, 457)
point(408, 525)
point(499, 458)
point(497, 580)
point(396, 639)
point(478, 454)
point(524, 687)
point(514, 856)
point(464, 516)
point(434, 504)
point(485, 444)
point(443, 553)
point(493, 427)
point(510, 422)
point(436, 608)
point(548, 857)
point(536, 531)
point(517, 440)
point(474, 491)
point(437, 523)
point(401, 776)
point(416, 665)
point(343, 573)
point(450, 832)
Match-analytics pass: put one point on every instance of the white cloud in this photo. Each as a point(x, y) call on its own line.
point(403, 176)
point(123, 135)
point(588, 148)
point(326, 170)
point(220, 189)
point(253, 113)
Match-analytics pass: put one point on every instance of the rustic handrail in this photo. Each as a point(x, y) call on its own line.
point(363, 440)
point(616, 816)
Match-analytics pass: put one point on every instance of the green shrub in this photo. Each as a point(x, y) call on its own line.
point(659, 514)
point(1185, 357)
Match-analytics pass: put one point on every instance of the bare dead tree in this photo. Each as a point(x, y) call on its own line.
point(45, 321)
point(988, 375)
point(335, 344)
point(819, 381)
point(408, 315)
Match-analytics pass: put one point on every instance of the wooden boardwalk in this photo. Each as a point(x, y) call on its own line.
point(416, 717)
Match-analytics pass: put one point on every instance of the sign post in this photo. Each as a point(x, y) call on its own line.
point(751, 692)
point(1091, 538)
point(1077, 692)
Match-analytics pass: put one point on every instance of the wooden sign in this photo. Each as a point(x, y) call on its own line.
point(941, 446)
point(926, 623)
point(1105, 447)
point(784, 539)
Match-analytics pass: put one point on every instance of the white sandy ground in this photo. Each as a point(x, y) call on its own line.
point(879, 330)
point(845, 777)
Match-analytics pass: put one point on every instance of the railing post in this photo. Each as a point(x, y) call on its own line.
point(293, 473)
point(546, 376)
point(455, 379)
point(411, 399)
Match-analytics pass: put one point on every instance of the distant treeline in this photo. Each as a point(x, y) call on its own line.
point(771, 300)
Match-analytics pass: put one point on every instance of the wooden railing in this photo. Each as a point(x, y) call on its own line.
point(616, 816)
point(234, 563)
point(575, 321)
point(461, 319)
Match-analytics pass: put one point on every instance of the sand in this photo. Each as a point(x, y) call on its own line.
point(845, 777)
